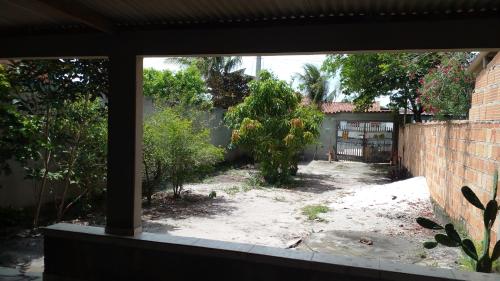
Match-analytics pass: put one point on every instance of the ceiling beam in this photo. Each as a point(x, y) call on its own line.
point(272, 39)
point(73, 10)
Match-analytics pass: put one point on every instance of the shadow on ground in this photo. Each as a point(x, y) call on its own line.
point(314, 183)
point(190, 205)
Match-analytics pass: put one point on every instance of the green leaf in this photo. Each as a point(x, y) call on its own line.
point(495, 184)
point(484, 264)
point(472, 198)
point(452, 233)
point(445, 240)
point(469, 249)
point(495, 254)
point(430, 244)
point(427, 223)
point(490, 213)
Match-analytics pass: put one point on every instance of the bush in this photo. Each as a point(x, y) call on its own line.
point(274, 126)
point(446, 90)
point(176, 151)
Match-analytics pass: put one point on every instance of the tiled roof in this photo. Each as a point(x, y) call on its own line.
point(337, 107)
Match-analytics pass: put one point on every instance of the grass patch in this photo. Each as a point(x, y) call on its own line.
point(312, 211)
point(232, 190)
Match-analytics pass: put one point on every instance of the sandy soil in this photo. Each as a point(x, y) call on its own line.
point(368, 216)
point(364, 206)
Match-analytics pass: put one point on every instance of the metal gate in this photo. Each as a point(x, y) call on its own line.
point(366, 141)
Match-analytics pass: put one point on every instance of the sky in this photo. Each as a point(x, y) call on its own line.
point(284, 66)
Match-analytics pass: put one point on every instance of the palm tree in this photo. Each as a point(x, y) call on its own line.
point(314, 84)
point(227, 83)
point(210, 66)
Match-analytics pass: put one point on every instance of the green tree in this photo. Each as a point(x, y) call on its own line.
point(314, 84)
point(39, 92)
point(226, 83)
point(274, 126)
point(447, 89)
point(367, 76)
point(81, 144)
point(183, 88)
point(176, 151)
point(14, 134)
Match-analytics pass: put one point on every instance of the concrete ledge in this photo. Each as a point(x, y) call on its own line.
point(74, 252)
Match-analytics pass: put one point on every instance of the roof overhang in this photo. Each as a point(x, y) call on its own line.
point(50, 28)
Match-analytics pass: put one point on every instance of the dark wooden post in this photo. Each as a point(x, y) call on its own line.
point(123, 202)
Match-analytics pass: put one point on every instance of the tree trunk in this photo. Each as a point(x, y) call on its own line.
point(67, 179)
point(41, 194)
point(74, 201)
point(148, 182)
point(46, 162)
point(417, 111)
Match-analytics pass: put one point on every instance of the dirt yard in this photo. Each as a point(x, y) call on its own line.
point(367, 214)
point(353, 210)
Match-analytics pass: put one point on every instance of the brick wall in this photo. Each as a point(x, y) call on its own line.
point(450, 155)
point(486, 97)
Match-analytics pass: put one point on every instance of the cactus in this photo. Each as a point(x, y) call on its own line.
point(451, 238)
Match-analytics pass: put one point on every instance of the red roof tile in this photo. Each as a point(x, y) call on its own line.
point(336, 107)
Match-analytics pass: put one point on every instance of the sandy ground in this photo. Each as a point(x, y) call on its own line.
point(364, 206)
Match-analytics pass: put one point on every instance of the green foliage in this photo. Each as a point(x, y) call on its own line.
point(177, 151)
point(446, 90)
point(233, 190)
point(427, 223)
point(40, 95)
point(314, 84)
point(212, 194)
point(367, 76)
point(11, 124)
point(226, 83)
point(312, 211)
point(451, 238)
point(362, 75)
point(81, 141)
point(472, 198)
point(183, 88)
point(274, 126)
point(469, 264)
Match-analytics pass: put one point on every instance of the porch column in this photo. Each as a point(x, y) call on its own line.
point(123, 201)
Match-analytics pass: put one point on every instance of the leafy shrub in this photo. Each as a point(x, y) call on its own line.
point(175, 150)
point(53, 120)
point(446, 90)
point(274, 126)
